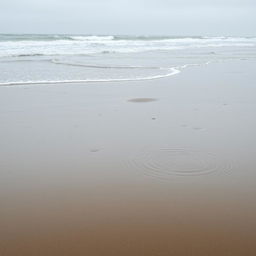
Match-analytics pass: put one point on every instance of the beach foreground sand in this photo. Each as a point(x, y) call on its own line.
point(161, 167)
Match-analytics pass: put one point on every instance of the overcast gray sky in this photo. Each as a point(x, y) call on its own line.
point(137, 17)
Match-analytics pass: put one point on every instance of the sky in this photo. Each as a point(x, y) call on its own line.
point(129, 17)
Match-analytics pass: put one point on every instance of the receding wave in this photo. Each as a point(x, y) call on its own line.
point(171, 72)
point(164, 72)
point(102, 66)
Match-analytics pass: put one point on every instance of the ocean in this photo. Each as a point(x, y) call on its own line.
point(53, 59)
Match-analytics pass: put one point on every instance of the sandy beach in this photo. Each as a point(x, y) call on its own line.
point(160, 167)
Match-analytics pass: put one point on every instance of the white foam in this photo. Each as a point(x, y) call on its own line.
point(107, 44)
point(172, 71)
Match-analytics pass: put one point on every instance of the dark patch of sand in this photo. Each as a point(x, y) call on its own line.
point(142, 100)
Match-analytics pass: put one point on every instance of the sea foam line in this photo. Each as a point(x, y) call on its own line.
point(173, 72)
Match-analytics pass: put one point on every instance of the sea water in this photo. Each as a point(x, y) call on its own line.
point(53, 59)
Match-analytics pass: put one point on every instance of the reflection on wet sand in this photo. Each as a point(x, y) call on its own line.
point(149, 224)
point(88, 173)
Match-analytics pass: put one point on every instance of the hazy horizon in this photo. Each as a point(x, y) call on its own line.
point(122, 17)
point(133, 35)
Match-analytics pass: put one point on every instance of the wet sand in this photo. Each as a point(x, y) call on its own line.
point(86, 171)
point(142, 100)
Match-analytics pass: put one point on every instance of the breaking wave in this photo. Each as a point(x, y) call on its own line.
point(49, 45)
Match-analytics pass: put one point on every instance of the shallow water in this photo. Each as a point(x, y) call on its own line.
point(49, 59)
